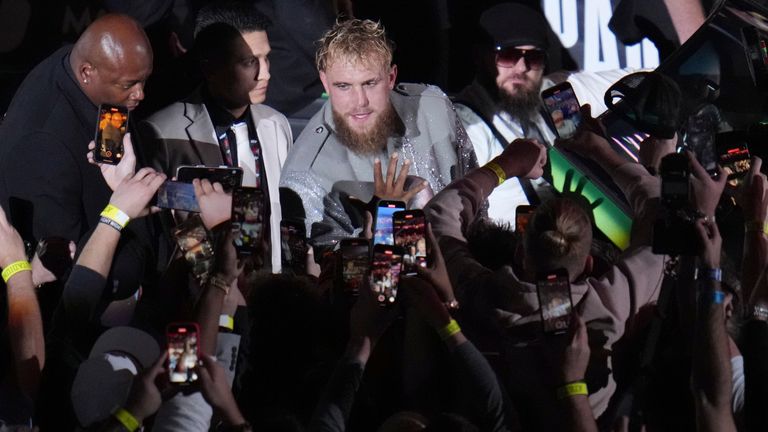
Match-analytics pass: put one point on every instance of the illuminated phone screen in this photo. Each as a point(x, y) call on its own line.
point(410, 234)
point(182, 353)
point(555, 301)
point(385, 273)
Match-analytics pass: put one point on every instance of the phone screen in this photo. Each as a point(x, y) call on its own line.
point(554, 291)
point(110, 129)
point(385, 273)
point(229, 177)
point(293, 242)
point(383, 230)
point(563, 107)
point(622, 136)
point(195, 244)
point(411, 234)
point(183, 341)
point(247, 219)
point(523, 215)
point(178, 196)
point(733, 154)
point(355, 254)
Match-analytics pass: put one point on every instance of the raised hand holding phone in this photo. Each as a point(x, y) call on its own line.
point(214, 203)
point(145, 397)
point(115, 174)
point(134, 193)
point(217, 392)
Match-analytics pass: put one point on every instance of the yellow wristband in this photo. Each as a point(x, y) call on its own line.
point(116, 215)
point(449, 330)
point(15, 267)
point(572, 389)
point(757, 226)
point(500, 174)
point(127, 420)
point(227, 321)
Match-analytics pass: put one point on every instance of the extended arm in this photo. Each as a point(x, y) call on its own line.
point(711, 369)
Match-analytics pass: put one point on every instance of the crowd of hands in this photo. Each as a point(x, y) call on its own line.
point(425, 294)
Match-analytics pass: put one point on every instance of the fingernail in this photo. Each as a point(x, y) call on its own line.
point(394, 155)
point(376, 160)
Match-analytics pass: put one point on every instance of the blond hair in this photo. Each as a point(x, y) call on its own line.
point(354, 41)
point(559, 236)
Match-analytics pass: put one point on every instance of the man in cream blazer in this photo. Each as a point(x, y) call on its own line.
point(231, 45)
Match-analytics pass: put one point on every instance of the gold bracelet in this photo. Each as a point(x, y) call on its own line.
point(15, 267)
point(219, 283)
point(117, 215)
point(449, 330)
point(572, 389)
point(500, 174)
point(127, 419)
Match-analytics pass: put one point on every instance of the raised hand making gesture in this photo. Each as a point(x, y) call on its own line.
point(393, 187)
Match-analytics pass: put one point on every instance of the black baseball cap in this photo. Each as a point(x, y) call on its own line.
point(514, 24)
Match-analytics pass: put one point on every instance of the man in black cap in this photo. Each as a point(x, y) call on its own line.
point(503, 103)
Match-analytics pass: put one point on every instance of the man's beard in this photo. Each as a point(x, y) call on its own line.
point(523, 104)
point(374, 139)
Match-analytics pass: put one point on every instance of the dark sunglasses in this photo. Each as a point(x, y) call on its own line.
point(508, 57)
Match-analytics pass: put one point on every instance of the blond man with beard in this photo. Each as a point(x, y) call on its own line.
point(411, 128)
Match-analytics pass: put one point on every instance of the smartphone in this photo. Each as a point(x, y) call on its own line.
point(247, 219)
point(229, 177)
point(386, 264)
point(195, 244)
point(293, 243)
point(523, 215)
point(177, 195)
point(563, 108)
point(382, 227)
point(554, 290)
point(675, 172)
point(111, 127)
point(183, 352)
point(355, 262)
point(410, 228)
point(733, 155)
point(624, 138)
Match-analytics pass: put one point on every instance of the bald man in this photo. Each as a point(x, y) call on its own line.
point(47, 186)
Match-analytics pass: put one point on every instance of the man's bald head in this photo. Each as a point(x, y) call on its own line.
point(112, 60)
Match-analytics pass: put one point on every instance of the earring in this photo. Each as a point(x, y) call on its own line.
point(85, 81)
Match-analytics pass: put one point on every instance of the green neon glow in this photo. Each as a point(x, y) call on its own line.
point(610, 219)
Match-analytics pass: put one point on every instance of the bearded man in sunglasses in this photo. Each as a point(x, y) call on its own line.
point(503, 102)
